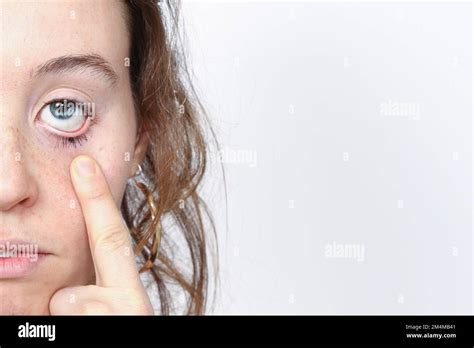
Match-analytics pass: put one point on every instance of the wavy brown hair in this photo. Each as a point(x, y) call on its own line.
point(170, 115)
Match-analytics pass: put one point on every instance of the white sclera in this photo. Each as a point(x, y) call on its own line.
point(71, 124)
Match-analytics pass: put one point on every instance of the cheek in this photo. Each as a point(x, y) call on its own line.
point(60, 205)
point(113, 150)
point(116, 167)
point(62, 226)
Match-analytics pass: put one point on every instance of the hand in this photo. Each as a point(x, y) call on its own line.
point(118, 288)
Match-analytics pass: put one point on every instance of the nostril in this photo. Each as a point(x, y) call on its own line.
point(14, 194)
point(27, 202)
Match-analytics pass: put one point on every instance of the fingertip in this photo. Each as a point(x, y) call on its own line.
point(84, 166)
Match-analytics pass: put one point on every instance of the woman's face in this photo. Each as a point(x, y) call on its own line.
point(51, 51)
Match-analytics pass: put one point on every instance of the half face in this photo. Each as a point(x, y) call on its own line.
point(64, 91)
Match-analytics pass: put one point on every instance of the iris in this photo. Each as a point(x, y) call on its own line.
point(63, 109)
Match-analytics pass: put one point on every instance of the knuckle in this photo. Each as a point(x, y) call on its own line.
point(112, 238)
point(95, 191)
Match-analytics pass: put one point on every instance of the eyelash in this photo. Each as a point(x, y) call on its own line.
point(69, 142)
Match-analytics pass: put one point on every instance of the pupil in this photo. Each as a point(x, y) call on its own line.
point(62, 110)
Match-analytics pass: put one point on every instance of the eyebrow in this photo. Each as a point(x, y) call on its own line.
point(78, 63)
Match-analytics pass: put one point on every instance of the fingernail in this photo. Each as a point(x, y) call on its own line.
point(85, 167)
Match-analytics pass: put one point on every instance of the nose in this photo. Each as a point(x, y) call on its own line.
point(17, 187)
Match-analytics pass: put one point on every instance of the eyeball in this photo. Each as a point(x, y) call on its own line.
point(64, 115)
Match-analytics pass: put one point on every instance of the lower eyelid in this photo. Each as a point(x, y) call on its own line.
point(74, 139)
point(66, 134)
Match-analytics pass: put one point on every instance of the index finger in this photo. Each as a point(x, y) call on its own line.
point(109, 241)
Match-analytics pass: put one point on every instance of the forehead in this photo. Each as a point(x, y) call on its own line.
point(33, 32)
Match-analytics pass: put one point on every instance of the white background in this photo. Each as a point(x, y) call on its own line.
point(303, 97)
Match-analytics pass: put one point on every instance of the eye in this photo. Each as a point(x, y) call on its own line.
point(65, 115)
point(67, 120)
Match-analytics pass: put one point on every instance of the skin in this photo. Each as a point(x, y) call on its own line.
point(90, 268)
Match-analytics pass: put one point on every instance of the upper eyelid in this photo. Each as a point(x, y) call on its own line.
point(66, 92)
point(61, 94)
point(55, 100)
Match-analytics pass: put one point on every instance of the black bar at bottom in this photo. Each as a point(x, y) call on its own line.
point(291, 330)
